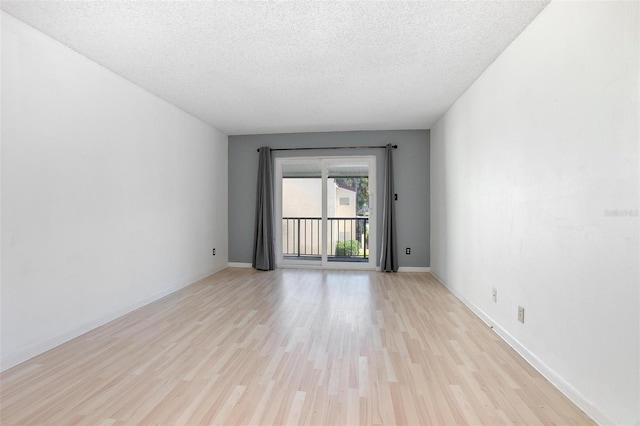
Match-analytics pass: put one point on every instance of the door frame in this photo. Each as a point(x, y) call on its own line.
point(324, 263)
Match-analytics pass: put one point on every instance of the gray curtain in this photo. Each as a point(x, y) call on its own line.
point(263, 241)
point(389, 255)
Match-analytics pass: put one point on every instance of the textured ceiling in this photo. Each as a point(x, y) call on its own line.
point(277, 67)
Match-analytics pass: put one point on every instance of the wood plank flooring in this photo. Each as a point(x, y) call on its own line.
point(288, 347)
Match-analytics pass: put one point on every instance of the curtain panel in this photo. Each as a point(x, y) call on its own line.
point(264, 241)
point(389, 249)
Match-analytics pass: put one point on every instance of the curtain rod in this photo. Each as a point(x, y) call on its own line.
point(331, 147)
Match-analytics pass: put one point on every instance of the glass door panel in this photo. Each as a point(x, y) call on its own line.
point(302, 211)
point(348, 210)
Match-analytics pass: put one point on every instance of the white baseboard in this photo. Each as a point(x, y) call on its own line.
point(554, 378)
point(401, 269)
point(239, 265)
point(26, 353)
point(414, 269)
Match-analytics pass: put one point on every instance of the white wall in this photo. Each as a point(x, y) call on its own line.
point(111, 197)
point(526, 169)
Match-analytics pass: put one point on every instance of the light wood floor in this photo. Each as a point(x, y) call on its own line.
point(288, 347)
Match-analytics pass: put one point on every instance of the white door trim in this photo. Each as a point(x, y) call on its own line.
point(324, 263)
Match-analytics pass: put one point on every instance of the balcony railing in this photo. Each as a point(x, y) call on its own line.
point(347, 238)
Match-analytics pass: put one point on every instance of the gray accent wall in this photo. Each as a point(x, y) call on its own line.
point(411, 162)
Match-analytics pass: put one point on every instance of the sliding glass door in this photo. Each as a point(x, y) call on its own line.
point(325, 213)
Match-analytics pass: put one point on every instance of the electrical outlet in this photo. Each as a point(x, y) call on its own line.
point(214, 252)
point(494, 295)
point(521, 314)
point(408, 250)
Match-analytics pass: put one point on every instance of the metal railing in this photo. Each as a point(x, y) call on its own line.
point(348, 238)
